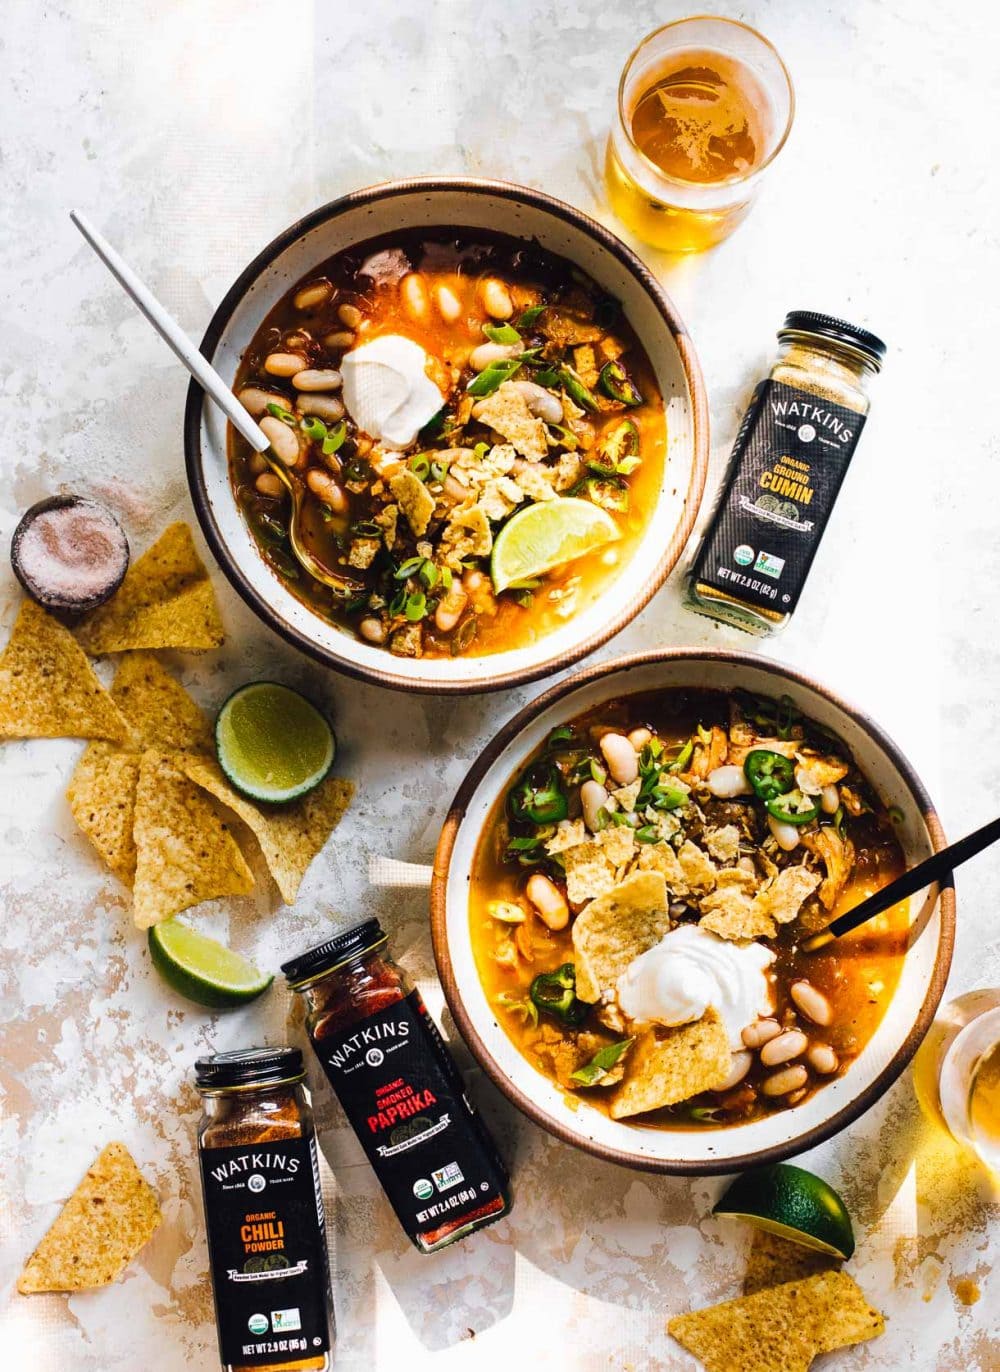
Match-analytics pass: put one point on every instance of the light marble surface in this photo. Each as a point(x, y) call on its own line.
point(192, 133)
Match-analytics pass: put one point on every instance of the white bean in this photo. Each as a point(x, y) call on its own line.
point(257, 464)
point(285, 364)
point(448, 303)
point(830, 800)
point(542, 403)
point(727, 782)
point(639, 738)
point(317, 379)
point(341, 338)
point(823, 1059)
point(450, 608)
point(760, 1032)
point(269, 484)
point(487, 353)
point(783, 1082)
point(372, 629)
point(350, 315)
point(496, 298)
point(592, 797)
point(621, 757)
point(783, 1047)
point(416, 303)
point(284, 441)
point(324, 488)
point(786, 835)
point(313, 297)
point(812, 1002)
point(255, 401)
point(738, 1069)
point(326, 407)
point(548, 900)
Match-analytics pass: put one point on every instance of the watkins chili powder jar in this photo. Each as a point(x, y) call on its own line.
point(399, 1088)
point(790, 457)
point(264, 1212)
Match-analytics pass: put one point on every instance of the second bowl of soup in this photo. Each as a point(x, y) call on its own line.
point(489, 418)
point(622, 890)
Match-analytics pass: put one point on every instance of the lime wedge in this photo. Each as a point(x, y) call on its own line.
point(545, 536)
point(794, 1203)
point(272, 743)
point(202, 969)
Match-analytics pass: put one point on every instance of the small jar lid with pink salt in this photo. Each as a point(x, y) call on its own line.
point(69, 553)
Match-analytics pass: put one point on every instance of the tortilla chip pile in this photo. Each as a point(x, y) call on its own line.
point(147, 791)
point(103, 1225)
point(160, 812)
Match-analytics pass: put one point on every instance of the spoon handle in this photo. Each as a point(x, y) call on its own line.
point(172, 334)
point(937, 868)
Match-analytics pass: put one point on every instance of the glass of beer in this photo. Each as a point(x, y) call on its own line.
point(969, 1086)
point(704, 107)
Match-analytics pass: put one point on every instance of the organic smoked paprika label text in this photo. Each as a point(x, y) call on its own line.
point(405, 1100)
point(789, 459)
point(267, 1248)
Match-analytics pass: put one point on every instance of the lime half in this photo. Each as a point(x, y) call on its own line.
point(272, 743)
point(794, 1203)
point(545, 536)
point(202, 969)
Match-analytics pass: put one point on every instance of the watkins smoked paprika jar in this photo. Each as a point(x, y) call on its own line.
point(264, 1212)
point(790, 457)
point(400, 1088)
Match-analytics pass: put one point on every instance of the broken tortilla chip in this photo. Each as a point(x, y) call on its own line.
point(101, 798)
point(290, 835)
point(165, 601)
point(110, 1216)
point(184, 851)
point(732, 914)
point(670, 1065)
point(160, 711)
point(615, 928)
point(773, 1260)
point(782, 1326)
point(48, 688)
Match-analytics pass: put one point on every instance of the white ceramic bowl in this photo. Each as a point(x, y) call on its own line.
point(907, 1018)
point(472, 204)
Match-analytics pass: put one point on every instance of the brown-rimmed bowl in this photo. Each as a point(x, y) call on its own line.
point(471, 204)
point(707, 1151)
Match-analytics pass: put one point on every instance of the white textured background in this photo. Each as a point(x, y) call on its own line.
point(193, 132)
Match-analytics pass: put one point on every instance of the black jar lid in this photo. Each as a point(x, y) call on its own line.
point(828, 326)
point(248, 1067)
point(334, 952)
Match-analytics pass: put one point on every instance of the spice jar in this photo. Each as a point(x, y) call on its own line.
point(788, 462)
point(399, 1088)
point(264, 1211)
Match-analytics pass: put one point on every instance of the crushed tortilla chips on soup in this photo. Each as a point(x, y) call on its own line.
point(48, 688)
point(110, 1216)
point(165, 601)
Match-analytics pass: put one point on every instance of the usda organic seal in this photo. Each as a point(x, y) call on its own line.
point(258, 1324)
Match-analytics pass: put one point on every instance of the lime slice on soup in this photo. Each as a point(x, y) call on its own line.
point(547, 535)
point(203, 970)
point(272, 743)
point(794, 1203)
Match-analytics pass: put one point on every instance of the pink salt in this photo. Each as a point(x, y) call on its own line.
point(72, 552)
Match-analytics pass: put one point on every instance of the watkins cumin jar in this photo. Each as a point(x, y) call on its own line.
point(264, 1212)
point(399, 1088)
point(788, 463)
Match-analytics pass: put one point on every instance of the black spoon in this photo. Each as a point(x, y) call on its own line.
point(933, 869)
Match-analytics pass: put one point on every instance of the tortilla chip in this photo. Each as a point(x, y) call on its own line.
point(414, 499)
point(570, 833)
point(615, 928)
point(291, 835)
point(666, 1066)
point(784, 898)
point(184, 851)
point(781, 1327)
point(591, 867)
point(506, 411)
point(723, 844)
point(467, 534)
point(697, 866)
point(660, 857)
point(101, 797)
point(157, 706)
point(733, 915)
point(165, 601)
point(48, 688)
point(110, 1216)
point(774, 1260)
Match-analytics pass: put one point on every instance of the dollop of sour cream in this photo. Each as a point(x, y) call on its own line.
point(676, 980)
point(387, 391)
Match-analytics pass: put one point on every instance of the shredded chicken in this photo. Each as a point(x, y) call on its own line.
point(838, 858)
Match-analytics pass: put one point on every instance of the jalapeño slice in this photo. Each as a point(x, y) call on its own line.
point(614, 381)
point(538, 797)
point(795, 807)
point(555, 993)
point(770, 774)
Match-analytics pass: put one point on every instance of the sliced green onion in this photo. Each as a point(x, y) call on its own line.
point(420, 465)
point(504, 334)
point(409, 568)
point(281, 413)
point(416, 606)
point(530, 316)
point(491, 378)
point(334, 439)
point(313, 428)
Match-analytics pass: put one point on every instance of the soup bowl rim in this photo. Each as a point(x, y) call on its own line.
point(779, 1151)
point(401, 673)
